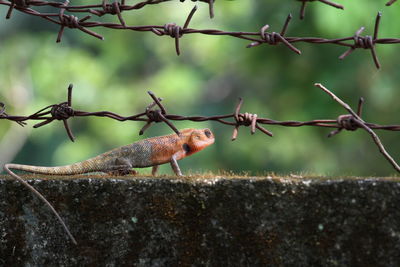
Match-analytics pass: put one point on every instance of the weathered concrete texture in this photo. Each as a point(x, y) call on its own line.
point(203, 222)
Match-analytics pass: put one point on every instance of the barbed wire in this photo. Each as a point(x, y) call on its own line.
point(117, 7)
point(330, 3)
point(175, 31)
point(156, 112)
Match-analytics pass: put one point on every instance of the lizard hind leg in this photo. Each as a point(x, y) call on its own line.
point(122, 167)
point(7, 168)
point(122, 172)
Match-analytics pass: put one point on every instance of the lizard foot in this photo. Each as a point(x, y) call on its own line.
point(123, 172)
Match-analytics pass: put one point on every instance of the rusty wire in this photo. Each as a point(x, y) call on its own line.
point(116, 8)
point(175, 31)
point(156, 112)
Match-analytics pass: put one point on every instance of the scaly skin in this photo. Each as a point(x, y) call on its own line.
point(145, 153)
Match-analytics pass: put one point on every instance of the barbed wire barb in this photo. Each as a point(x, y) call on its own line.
point(62, 111)
point(73, 22)
point(246, 119)
point(304, 3)
point(390, 2)
point(113, 9)
point(274, 38)
point(346, 121)
point(157, 115)
point(211, 8)
point(366, 42)
point(175, 31)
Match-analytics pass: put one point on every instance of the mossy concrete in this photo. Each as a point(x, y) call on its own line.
point(146, 221)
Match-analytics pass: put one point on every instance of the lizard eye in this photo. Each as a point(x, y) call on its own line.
point(207, 133)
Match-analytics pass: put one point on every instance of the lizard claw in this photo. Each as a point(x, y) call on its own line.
point(122, 172)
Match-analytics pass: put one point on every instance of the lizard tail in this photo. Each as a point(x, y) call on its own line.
point(76, 168)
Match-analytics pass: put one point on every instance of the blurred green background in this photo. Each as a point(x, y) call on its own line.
point(208, 77)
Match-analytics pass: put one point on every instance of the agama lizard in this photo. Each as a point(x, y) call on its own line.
point(150, 152)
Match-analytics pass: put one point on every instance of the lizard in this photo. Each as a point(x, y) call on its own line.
point(150, 152)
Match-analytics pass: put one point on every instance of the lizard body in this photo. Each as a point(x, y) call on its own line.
point(144, 153)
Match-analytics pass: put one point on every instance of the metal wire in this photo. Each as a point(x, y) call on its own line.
point(175, 31)
point(155, 112)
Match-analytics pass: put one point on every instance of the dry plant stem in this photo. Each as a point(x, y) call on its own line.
point(362, 124)
point(7, 168)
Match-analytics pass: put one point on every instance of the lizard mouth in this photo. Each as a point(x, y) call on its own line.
point(203, 144)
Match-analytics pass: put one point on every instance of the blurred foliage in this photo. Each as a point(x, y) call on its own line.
point(208, 77)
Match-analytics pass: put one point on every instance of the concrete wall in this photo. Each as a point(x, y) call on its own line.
point(202, 222)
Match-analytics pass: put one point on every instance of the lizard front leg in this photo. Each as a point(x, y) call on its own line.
point(175, 166)
point(154, 169)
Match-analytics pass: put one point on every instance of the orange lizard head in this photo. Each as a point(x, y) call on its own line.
point(198, 139)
